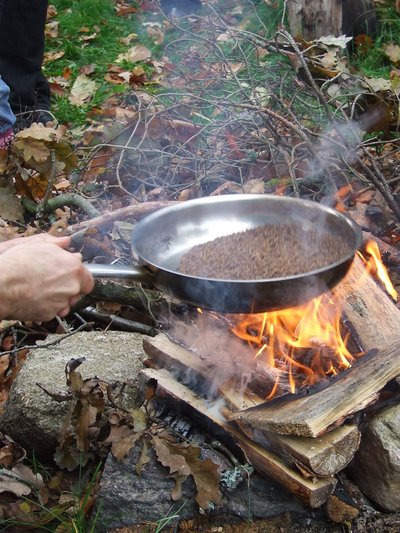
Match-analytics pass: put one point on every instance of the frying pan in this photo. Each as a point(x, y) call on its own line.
point(160, 240)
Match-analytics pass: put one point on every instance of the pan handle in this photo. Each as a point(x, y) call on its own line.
point(119, 272)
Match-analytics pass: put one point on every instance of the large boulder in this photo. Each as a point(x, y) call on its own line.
point(376, 466)
point(32, 418)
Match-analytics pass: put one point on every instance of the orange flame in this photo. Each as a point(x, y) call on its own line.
point(376, 267)
point(301, 345)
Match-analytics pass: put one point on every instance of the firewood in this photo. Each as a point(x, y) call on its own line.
point(373, 315)
point(313, 492)
point(313, 414)
point(324, 456)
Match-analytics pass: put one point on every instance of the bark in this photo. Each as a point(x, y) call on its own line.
point(312, 19)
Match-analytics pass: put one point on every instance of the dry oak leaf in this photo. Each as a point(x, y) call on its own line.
point(377, 84)
point(53, 56)
point(393, 52)
point(34, 150)
point(82, 90)
point(139, 52)
point(183, 460)
point(51, 30)
point(40, 132)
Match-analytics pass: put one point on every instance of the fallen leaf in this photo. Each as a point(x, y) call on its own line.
point(377, 84)
point(393, 52)
point(126, 41)
point(331, 40)
point(51, 30)
point(82, 90)
point(123, 446)
point(139, 52)
point(53, 56)
point(88, 69)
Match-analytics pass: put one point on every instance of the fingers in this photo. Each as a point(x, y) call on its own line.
point(87, 283)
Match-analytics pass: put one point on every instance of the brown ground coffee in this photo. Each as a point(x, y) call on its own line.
point(263, 253)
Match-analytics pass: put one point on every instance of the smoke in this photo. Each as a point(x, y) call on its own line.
point(338, 147)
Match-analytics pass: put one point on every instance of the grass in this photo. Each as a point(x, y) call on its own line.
point(77, 19)
point(370, 59)
point(61, 517)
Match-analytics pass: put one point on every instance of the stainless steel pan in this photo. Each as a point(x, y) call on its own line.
point(163, 237)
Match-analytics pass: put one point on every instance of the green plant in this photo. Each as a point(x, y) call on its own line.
point(89, 33)
point(69, 514)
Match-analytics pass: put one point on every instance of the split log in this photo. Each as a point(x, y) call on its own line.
point(324, 456)
point(373, 315)
point(313, 492)
point(312, 415)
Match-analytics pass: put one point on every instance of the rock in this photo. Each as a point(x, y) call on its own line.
point(32, 418)
point(125, 499)
point(376, 466)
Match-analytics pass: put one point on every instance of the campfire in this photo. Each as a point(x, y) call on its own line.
point(290, 381)
point(302, 345)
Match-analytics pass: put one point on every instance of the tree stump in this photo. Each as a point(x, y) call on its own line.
point(312, 19)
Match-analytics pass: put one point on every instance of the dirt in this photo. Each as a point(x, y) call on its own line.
point(263, 253)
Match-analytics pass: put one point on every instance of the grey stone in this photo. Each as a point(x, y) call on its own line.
point(32, 418)
point(125, 499)
point(376, 466)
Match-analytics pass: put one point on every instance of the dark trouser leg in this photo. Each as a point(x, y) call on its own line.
point(21, 53)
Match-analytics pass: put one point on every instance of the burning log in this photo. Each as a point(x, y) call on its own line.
point(372, 314)
point(324, 456)
point(313, 492)
point(375, 320)
point(314, 414)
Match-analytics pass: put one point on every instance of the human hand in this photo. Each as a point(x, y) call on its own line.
point(39, 279)
point(63, 242)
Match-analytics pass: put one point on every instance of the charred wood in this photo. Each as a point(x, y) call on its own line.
point(313, 492)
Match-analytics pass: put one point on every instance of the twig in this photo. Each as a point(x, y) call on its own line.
point(47, 344)
point(68, 199)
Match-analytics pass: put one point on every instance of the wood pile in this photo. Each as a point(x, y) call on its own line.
point(301, 442)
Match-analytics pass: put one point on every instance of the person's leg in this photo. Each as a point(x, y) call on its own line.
point(22, 25)
point(7, 118)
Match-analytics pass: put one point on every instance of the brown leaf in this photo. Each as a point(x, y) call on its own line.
point(393, 52)
point(9, 484)
point(143, 458)
point(136, 53)
point(53, 56)
point(51, 29)
point(123, 446)
point(11, 453)
point(124, 10)
point(170, 457)
point(205, 474)
point(88, 69)
point(33, 151)
point(82, 90)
